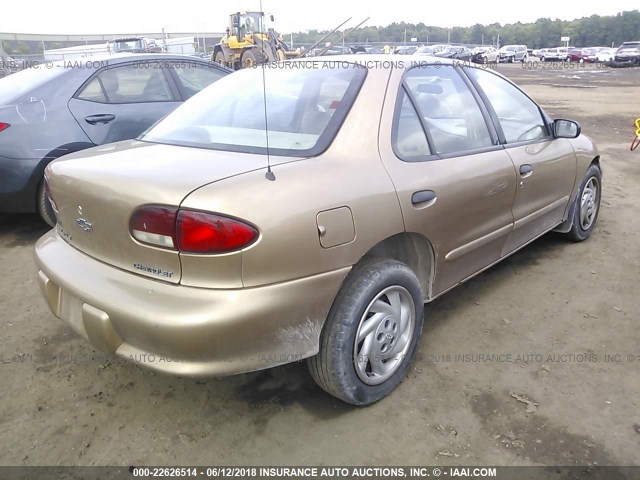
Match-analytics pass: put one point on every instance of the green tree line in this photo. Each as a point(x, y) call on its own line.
point(584, 32)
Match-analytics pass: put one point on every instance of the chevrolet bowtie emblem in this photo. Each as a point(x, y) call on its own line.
point(85, 225)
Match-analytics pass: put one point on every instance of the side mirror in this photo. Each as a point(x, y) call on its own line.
point(566, 128)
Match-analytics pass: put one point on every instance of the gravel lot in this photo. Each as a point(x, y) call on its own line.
point(560, 320)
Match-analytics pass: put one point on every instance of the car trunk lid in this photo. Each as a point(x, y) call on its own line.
point(96, 192)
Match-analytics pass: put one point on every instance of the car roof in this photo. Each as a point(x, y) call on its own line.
point(378, 60)
point(116, 58)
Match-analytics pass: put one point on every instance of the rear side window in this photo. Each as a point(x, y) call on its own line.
point(519, 116)
point(292, 110)
point(193, 77)
point(449, 110)
point(129, 84)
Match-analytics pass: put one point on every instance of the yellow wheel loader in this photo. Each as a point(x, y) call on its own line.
point(248, 42)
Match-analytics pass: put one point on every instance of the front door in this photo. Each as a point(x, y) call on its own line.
point(545, 166)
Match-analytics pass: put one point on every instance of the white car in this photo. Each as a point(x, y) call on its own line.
point(485, 55)
point(554, 54)
point(605, 55)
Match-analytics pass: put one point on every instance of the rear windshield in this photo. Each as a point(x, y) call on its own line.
point(18, 84)
point(303, 111)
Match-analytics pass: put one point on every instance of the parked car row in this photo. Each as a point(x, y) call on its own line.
point(628, 54)
point(487, 54)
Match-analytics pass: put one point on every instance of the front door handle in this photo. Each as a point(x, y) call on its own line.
point(100, 118)
point(423, 198)
point(526, 170)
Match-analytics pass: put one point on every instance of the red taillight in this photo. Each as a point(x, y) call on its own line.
point(190, 231)
point(200, 232)
point(4, 126)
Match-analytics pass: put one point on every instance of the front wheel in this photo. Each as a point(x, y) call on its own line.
point(252, 57)
point(587, 205)
point(371, 334)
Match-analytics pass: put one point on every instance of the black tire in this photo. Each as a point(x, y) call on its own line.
point(333, 368)
point(44, 207)
point(219, 58)
point(251, 58)
point(578, 232)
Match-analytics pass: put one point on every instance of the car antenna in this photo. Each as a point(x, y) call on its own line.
point(269, 175)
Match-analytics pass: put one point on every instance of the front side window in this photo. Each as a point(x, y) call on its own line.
point(293, 111)
point(519, 116)
point(448, 108)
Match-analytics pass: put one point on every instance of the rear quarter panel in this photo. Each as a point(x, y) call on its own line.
point(349, 173)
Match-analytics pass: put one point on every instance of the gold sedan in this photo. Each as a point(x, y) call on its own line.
point(308, 210)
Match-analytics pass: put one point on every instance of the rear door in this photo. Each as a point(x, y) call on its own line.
point(121, 102)
point(455, 185)
point(545, 166)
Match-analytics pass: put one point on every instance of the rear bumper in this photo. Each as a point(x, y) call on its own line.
point(625, 61)
point(17, 185)
point(184, 330)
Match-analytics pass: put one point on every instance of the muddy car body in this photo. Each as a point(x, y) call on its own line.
point(379, 186)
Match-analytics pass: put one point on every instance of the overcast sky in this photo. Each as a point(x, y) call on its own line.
point(132, 16)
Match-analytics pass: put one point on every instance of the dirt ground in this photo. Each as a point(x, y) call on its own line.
point(560, 319)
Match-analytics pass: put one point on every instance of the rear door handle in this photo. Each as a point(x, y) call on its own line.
point(423, 198)
point(526, 170)
point(100, 118)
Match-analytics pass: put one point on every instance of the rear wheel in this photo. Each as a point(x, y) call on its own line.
point(371, 333)
point(44, 207)
point(219, 58)
point(587, 205)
